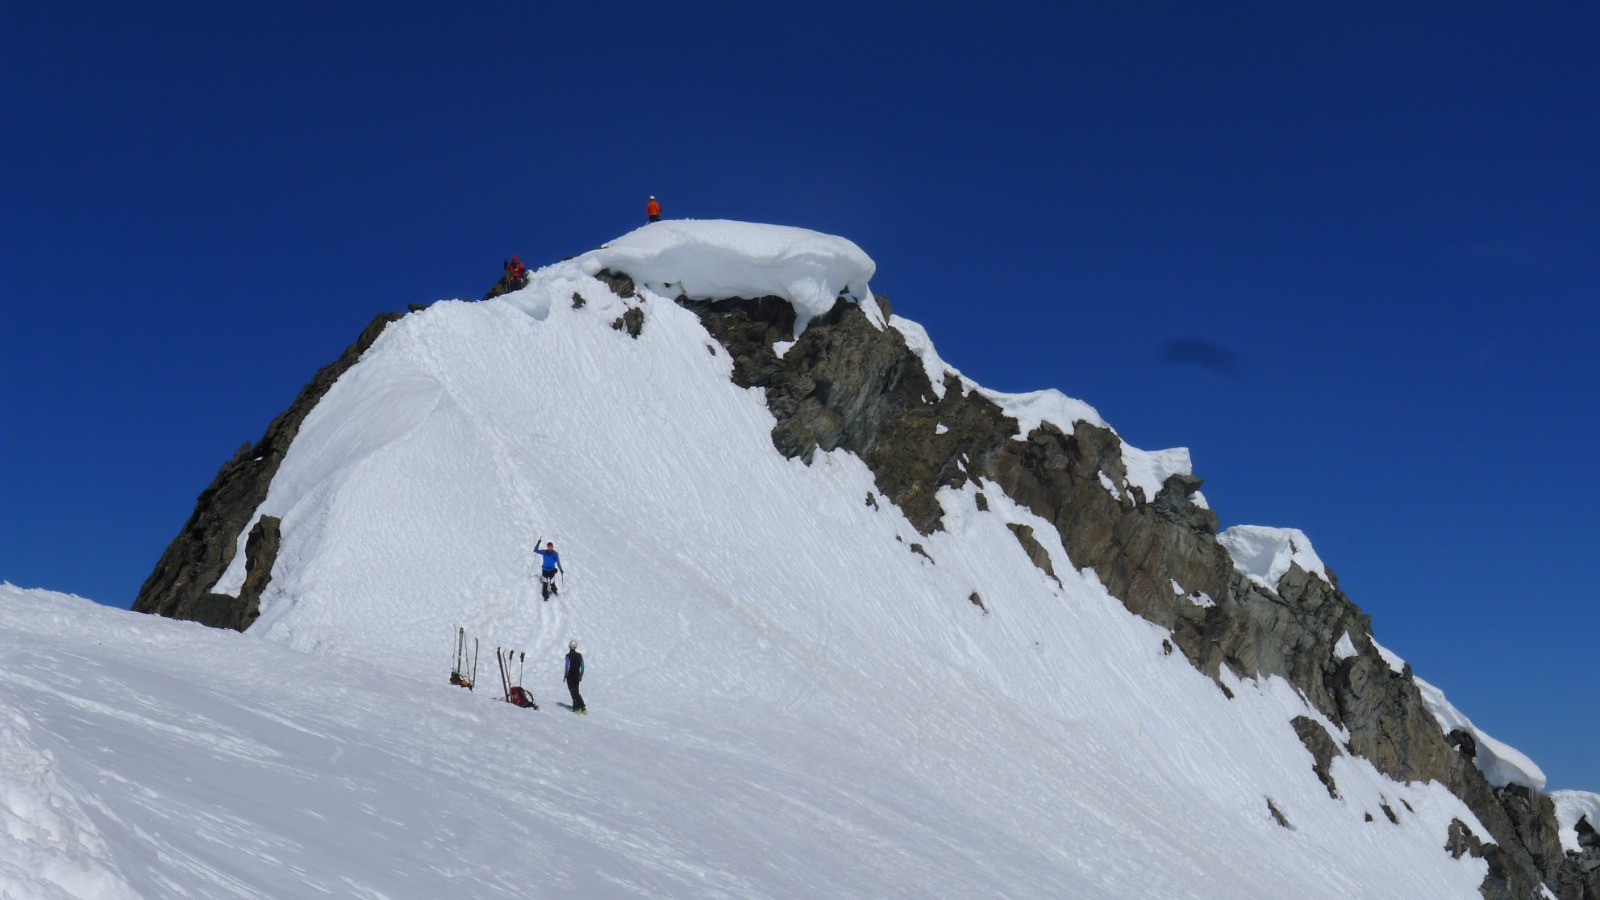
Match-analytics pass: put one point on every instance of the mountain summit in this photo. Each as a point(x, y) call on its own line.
point(807, 550)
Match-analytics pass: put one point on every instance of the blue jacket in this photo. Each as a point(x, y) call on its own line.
point(552, 559)
point(574, 666)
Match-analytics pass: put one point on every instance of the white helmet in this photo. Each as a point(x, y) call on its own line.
point(572, 645)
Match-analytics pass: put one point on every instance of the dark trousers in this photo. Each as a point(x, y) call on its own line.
point(577, 698)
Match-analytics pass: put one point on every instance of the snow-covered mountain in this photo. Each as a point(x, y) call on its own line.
point(855, 626)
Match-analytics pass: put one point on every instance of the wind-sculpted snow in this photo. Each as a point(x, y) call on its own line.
point(1572, 806)
point(1264, 554)
point(716, 258)
point(1501, 763)
point(48, 847)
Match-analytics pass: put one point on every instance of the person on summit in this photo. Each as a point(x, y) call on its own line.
point(653, 209)
point(547, 574)
point(515, 270)
point(573, 675)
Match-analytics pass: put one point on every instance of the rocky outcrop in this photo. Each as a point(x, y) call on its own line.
point(1526, 842)
point(845, 383)
point(1035, 550)
point(1323, 749)
point(194, 561)
point(631, 321)
point(506, 285)
point(620, 284)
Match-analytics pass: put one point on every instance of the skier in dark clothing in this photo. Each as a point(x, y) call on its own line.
point(574, 674)
point(552, 565)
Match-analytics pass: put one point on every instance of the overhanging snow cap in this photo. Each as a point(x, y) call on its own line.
point(713, 259)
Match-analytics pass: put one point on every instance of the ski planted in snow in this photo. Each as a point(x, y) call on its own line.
point(459, 675)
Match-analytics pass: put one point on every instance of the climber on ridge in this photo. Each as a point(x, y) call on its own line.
point(653, 209)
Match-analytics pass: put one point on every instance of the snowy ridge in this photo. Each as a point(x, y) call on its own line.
point(1147, 470)
point(1501, 763)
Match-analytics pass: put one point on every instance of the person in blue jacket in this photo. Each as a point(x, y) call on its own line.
point(552, 565)
point(574, 674)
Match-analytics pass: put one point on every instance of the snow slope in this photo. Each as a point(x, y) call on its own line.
point(787, 700)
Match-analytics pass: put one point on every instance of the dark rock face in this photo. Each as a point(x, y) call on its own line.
point(1460, 840)
point(620, 284)
point(1587, 838)
point(1035, 550)
point(847, 384)
point(631, 321)
point(238, 613)
point(1323, 749)
point(201, 552)
point(1278, 816)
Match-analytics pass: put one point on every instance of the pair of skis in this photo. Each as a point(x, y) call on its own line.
point(515, 693)
point(458, 675)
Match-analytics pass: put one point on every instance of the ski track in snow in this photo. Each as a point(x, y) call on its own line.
point(788, 702)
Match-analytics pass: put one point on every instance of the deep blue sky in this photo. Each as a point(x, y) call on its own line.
point(1373, 233)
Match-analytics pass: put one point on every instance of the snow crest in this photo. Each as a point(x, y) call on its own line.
point(1501, 763)
point(1570, 807)
point(1264, 554)
point(713, 259)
